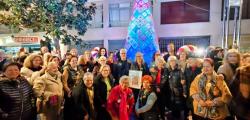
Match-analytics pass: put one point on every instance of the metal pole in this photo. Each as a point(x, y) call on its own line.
point(227, 25)
point(224, 23)
point(239, 24)
point(235, 27)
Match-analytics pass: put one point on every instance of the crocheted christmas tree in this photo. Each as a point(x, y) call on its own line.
point(141, 33)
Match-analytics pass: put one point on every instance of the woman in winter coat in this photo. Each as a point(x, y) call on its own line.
point(32, 67)
point(49, 92)
point(104, 82)
point(160, 80)
point(178, 91)
point(16, 98)
point(72, 74)
point(210, 93)
point(120, 102)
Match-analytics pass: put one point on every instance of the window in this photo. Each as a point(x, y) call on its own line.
point(119, 14)
point(245, 10)
point(199, 41)
point(116, 44)
point(186, 11)
point(97, 21)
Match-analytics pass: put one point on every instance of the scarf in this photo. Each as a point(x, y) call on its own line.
point(208, 91)
point(158, 77)
point(91, 97)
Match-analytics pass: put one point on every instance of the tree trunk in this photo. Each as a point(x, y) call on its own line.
point(63, 49)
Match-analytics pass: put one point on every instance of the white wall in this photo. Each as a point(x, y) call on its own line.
point(212, 28)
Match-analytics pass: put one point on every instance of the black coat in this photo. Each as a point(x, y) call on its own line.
point(82, 104)
point(88, 67)
point(163, 97)
point(190, 75)
point(240, 104)
point(102, 113)
point(164, 79)
point(16, 99)
point(177, 89)
point(2, 64)
point(102, 88)
point(144, 68)
point(217, 63)
point(121, 68)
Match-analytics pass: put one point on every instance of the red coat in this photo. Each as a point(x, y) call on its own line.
point(120, 102)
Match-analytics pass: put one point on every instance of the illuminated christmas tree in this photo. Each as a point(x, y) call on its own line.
point(141, 33)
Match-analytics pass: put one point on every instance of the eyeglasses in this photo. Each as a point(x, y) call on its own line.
point(105, 70)
point(36, 60)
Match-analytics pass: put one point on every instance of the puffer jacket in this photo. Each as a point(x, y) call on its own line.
point(16, 99)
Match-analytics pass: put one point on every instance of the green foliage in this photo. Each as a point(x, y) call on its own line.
point(51, 16)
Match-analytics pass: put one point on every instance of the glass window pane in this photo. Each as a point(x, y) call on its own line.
point(119, 14)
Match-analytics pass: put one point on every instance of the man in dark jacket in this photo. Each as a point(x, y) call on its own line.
point(85, 99)
point(122, 67)
point(171, 51)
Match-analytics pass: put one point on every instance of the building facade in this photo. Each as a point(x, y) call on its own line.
point(205, 27)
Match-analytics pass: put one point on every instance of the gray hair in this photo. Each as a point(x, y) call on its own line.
point(123, 49)
point(87, 74)
point(170, 58)
point(139, 53)
point(51, 63)
point(123, 78)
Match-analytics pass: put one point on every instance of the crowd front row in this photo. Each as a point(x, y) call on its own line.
point(74, 93)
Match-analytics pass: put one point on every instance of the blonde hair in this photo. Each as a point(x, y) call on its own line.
point(51, 64)
point(81, 60)
point(28, 61)
point(103, 66)
point(100, 58)
point(232, 51)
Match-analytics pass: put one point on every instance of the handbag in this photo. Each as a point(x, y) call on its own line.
point(53, 100)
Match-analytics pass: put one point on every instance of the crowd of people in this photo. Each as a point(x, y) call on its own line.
point(44, 86)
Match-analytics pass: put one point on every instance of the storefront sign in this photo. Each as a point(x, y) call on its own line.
point(28, 39)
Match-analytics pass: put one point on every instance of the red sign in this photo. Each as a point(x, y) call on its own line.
point(26, 39)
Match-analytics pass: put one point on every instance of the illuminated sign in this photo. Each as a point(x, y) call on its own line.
point(27, 39)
